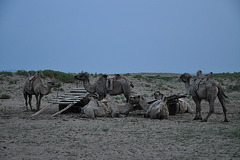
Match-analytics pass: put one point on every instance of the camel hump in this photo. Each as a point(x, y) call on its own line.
point(31, 79)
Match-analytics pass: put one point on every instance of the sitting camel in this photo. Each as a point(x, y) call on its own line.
point(204, 88)
point(34, 86)
point(105, 108)
point(118, 86)
point(155, 110)
point(175, 104)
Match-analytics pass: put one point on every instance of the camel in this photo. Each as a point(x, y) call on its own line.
point(105, 108)
point(119, 85)
point(155, 110)
point(179, 104)
point(34, 86)
point(204, 88)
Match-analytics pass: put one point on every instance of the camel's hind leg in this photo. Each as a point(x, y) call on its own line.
point(222, 101)
point(211, 111)
point(221, 97)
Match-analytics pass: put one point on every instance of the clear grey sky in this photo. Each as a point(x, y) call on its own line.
point(120, 36)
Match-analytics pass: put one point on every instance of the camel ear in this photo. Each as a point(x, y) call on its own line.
point(161, 96)
point(164, 99)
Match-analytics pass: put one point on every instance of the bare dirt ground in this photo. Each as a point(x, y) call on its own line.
point(68, 136)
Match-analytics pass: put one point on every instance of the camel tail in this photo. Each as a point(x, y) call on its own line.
point(221, 93)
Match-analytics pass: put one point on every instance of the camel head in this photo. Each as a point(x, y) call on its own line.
point(158, 95)
point(185, 77)
point(53, 85)
point(82, 76)
point(135, 99)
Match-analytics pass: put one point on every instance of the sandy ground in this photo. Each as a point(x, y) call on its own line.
point(68, 136)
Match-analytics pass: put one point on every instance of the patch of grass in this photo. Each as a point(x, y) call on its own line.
point(145, 95)
point(159, 84)
point(138, 76)
point(236, 133)
point(104, 129)
point(235, 87)
point(147, 85)
point(13, 82)
point(5, 96)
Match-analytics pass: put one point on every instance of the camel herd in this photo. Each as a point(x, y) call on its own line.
point(102, 105)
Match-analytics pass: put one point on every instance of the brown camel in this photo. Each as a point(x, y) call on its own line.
point(34, 86)
point(105, 108)
point(204, 88)
point(119, 85)
point(155, 110)
point(175, 104)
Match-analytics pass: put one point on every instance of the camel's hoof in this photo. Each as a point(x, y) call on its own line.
point(204, 120)
point(197, 118)
point(225, 120)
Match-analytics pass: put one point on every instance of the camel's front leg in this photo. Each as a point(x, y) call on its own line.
point(198, 109)
point(25, 97)
point(39, 102)
point(30, 101)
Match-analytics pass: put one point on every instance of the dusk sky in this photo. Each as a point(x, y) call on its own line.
point(120, 36)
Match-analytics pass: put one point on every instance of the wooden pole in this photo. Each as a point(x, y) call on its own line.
point(64, 109)
point(40, 111)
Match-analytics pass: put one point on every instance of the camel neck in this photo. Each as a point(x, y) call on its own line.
point(187, 87)
point(90, 88)
point(45, 90)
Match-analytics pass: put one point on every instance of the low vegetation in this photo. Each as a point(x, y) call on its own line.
point(5, 96)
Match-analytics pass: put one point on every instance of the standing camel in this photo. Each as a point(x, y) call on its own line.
point(34, 86)
point(119, 85)
point(204, 88)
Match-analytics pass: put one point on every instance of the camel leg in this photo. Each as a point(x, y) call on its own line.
point(211, 111)
point(25, 97)
point(89, 112)
point(127, 98)
point(198, 109)
point(222, 101)
point(30, 101)
point(39, 102)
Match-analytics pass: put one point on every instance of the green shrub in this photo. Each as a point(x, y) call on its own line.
point(61, 76)
point(5, 96)
point(22, 73)
point(232, 76)
point(5, 73)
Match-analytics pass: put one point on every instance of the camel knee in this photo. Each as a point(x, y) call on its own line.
point(212, 110)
